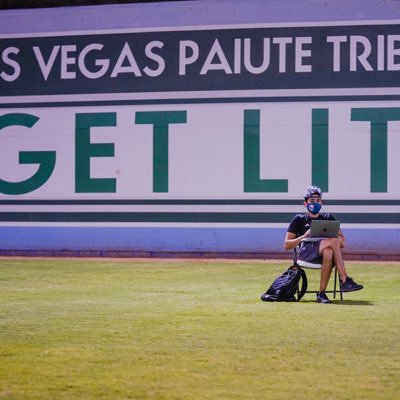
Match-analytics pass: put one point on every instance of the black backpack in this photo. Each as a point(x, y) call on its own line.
point(286, 286)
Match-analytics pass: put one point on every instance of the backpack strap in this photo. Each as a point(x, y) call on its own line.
point(304, 283)
point(295, 257)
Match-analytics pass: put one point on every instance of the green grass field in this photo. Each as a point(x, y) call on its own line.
point(134, 329)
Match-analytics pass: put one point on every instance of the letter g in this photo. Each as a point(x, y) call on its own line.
point(45, 159)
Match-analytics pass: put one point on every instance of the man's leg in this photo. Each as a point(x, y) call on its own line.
point(327, 264)
point(334, 245)
point(347, 284)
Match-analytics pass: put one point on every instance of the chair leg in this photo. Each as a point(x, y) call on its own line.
point(335, 286)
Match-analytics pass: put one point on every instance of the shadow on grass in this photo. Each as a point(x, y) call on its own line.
point(354, 303)
point(344, 302)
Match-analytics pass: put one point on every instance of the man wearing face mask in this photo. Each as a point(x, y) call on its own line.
point(327, 252)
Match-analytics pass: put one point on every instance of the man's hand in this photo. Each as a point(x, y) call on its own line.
point(306, 235)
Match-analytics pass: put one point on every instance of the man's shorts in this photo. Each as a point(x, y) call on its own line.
point(309, 252)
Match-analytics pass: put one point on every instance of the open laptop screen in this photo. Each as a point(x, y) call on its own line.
point(322, 228)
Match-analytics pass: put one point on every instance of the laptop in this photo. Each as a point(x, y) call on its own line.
point(322, 229)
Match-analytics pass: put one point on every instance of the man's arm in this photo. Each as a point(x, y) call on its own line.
point(292, 241)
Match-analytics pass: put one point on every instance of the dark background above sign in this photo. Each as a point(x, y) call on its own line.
point(12, 4)
point(50, 65)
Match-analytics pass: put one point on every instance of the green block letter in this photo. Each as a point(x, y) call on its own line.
point(320, 145)
point(160, 121)
point(85, 150)
point(45, 159)
point(252, 180)
point(378, 117)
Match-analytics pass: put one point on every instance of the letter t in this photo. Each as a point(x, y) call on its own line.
point(378, 117)
point(160, 121)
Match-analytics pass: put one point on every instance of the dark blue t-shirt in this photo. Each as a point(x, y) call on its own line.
point(301, 223)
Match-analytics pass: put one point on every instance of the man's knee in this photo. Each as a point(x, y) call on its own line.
point(327, 253)
point(332, 243)
point(328, 257)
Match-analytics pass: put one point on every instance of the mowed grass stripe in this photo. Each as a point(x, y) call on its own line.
point(132, 329)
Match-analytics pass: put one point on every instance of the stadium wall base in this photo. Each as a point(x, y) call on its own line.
point(168, 255)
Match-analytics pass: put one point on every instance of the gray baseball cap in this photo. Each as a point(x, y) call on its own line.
point(311, 191)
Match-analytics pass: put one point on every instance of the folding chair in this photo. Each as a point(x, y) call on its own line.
point(304, 264)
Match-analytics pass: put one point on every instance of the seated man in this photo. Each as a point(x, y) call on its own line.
point(327, 252)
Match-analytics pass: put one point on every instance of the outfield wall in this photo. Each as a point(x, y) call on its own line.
point(194, 127)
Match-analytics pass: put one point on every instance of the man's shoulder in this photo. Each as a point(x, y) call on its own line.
point(298, 224)
point(299, 217)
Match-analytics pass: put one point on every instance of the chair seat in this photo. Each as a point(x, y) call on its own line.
point(306, 264)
